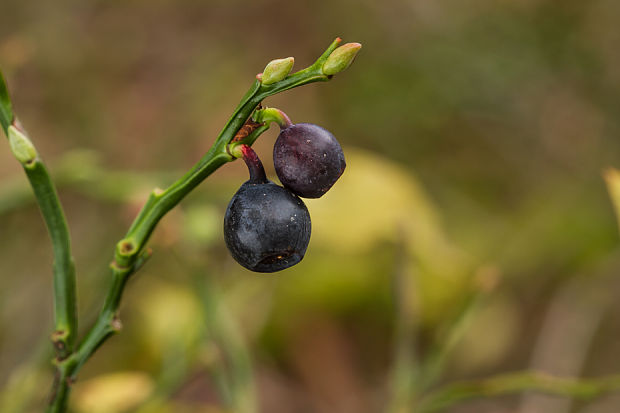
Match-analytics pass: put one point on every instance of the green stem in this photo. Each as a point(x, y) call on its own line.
point(265, 117)
point(6, 111)
point(65, 302)
point(161, 202)
point(233, 371)
point(513, 383)
point(268, 115)
point(405, 365)
point(129, 251)
point(60, 392)
point(433, 366)
point(65, 312)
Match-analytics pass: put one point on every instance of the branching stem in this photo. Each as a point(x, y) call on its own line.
point(129, 253)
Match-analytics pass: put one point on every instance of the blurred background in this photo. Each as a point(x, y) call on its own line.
point(472, 233)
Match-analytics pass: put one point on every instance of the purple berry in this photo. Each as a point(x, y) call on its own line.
point(308, 159)
point(266, 227)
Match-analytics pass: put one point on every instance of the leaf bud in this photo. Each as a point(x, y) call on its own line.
point(341, 58)
point(277, 70)
point(21, 146)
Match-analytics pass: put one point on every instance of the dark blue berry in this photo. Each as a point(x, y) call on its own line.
point(266, 227)
point(308, 159)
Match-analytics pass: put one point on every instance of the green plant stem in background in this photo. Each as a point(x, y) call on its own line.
point(405, 363)
point(80, 171)
point(65, 313)
point(434, 364)
point(129, 255)
point(514, 383)
point(6, 110)
point(236, 382)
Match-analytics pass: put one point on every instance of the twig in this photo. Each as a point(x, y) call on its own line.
point(129, 249)
point(65, 313)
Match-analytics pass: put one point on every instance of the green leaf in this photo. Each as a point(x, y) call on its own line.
point(6, 112)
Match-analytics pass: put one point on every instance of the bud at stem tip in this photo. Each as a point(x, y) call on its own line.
point(21, 146)
point(341, 58)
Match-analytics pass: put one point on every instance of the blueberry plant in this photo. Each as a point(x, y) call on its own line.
point(266, 229)
point(266, 226)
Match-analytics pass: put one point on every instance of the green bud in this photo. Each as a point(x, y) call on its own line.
point(277, 70)
point(341, 58)
point(21, 146)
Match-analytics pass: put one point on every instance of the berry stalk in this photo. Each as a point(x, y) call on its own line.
point(268, 115)
point(254, 164)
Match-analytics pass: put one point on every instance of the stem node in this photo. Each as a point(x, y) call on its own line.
point(126, 248)
point(59, 341)
point(116, 325)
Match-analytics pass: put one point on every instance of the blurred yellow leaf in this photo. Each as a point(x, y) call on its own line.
point(111, 393)
point(174, 406)
point(171, 314)
point(202, 224)
point(481, 349)
point(612, 177)
point(378, 201)
point(22, 388)
point(368, 204)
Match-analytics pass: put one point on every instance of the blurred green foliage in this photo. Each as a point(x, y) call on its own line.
point(475, 132)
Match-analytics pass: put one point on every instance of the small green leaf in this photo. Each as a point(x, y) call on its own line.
point(6, 112)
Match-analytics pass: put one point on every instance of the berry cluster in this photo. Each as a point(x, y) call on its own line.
point(266, 226)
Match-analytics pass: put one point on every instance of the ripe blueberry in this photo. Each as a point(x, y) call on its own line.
point(308, 159)
point(266, 227)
